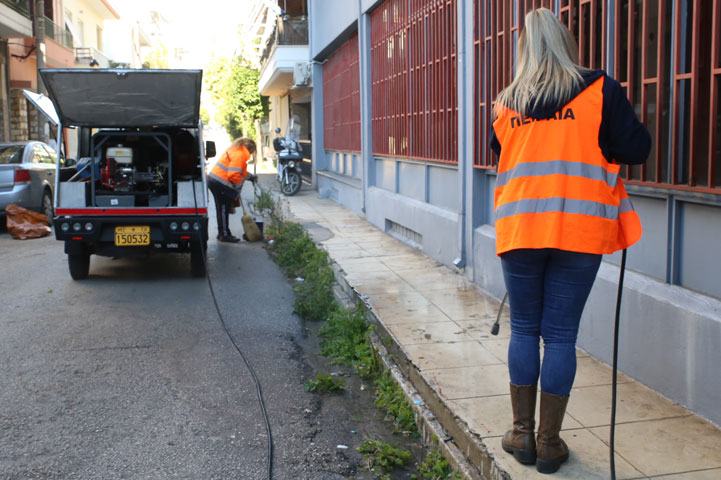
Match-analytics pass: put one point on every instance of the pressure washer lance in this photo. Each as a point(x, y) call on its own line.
point(496, 325)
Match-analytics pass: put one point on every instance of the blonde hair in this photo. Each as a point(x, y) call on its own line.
point(246, 142)
point(547, 70)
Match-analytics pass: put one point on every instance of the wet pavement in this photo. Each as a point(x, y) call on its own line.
point(439, 326)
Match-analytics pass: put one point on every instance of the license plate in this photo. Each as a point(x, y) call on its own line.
point(132, 236)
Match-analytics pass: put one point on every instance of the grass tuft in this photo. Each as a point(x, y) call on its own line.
point(346, 342)
point(392, 400)
point(435, 467)
point(324, 383)
point(383, 456)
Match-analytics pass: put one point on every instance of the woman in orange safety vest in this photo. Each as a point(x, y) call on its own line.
point(225, 181)
point(560, 204)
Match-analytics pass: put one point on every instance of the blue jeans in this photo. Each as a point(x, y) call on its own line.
point(547, 290)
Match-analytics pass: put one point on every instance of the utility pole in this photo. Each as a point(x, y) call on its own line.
point(40, 55)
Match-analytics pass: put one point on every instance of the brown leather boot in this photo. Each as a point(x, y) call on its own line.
point(551, 451)
point(520, 440)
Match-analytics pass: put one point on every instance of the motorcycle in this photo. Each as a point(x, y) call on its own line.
point(288, 158)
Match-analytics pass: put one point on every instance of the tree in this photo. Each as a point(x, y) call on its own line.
point(233, 86)
point(157, 57)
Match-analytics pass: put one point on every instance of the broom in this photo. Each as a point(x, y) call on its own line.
point(252, 232)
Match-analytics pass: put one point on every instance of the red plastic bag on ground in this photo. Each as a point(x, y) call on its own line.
point(23, 223)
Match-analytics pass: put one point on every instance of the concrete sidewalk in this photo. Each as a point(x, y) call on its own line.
point(440, 326)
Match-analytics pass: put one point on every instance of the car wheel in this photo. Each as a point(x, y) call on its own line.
point(79, 265)
point(197, 259)
point(292, 186)
point(47, 206)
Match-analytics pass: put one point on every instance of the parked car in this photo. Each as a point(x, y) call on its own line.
point(27, 176)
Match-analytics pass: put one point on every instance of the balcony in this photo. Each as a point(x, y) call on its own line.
point(20, 6)
point(287, 45)
point(289, 30)
point(91, 57)
point(15, 19)
point(58, 33)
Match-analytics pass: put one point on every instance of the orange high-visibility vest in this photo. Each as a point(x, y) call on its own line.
point(555, 188)
point(232, 168)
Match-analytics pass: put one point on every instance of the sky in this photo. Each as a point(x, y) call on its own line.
point(205, 27)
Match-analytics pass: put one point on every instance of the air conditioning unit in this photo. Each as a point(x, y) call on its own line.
point(301, 74)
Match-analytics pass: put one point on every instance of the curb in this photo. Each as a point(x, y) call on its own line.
point(438, 425)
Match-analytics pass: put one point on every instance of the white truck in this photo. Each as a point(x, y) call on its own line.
point(140, 185)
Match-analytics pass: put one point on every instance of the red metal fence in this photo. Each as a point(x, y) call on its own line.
point(414, 80)
point(676, 97)
point(341, 99)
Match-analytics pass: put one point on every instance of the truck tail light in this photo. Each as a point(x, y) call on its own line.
point(21, 176)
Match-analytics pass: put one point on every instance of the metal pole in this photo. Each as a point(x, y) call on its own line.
point(4, 100)
point(40, 55)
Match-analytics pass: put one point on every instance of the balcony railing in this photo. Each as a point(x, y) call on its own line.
point(289, 30)
point(20, 6)
point(57, 33)
point(92, 57)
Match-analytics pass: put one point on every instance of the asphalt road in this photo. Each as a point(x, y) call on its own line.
point(129, 374)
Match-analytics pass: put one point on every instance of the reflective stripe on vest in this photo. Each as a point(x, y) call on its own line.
point(228, 168)
point(224, 172)
point(561, 167)
point(554, 187)
point(221, 180)
point(557, 204)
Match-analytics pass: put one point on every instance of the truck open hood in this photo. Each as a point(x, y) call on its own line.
point(124, 98)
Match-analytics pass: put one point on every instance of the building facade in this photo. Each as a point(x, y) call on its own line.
point(401, 112)
point(85, 20)
point(278, 46)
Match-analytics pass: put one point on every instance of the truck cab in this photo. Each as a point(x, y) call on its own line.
point(139, 187)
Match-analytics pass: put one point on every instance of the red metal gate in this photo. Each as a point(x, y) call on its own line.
point(677, 98)
point(341, 99)
point(414, 80)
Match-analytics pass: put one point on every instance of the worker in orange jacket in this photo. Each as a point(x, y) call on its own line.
point(560, 204)
point(225, 181)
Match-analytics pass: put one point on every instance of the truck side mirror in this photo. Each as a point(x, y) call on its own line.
point(209, 149)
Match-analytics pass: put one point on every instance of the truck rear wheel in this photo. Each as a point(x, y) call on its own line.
point(79, 265)
point(198, 259)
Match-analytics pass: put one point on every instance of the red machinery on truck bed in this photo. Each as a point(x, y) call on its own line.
point(140, 185)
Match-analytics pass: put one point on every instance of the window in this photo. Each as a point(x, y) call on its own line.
point(40, 155)
point(81, 32)
point(414, 84)
point(341, 99)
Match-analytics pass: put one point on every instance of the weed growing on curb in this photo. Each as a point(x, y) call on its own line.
point(383, 456)
point(390, 398)
point(266, 206)
point(324, 383)
point(345, 341)
point(436, 467)
point(314, 298)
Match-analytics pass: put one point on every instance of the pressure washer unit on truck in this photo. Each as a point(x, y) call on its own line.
point(140, 185)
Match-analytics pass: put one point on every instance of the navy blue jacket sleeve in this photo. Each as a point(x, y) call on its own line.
point(495, 144)
point(622, 137)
